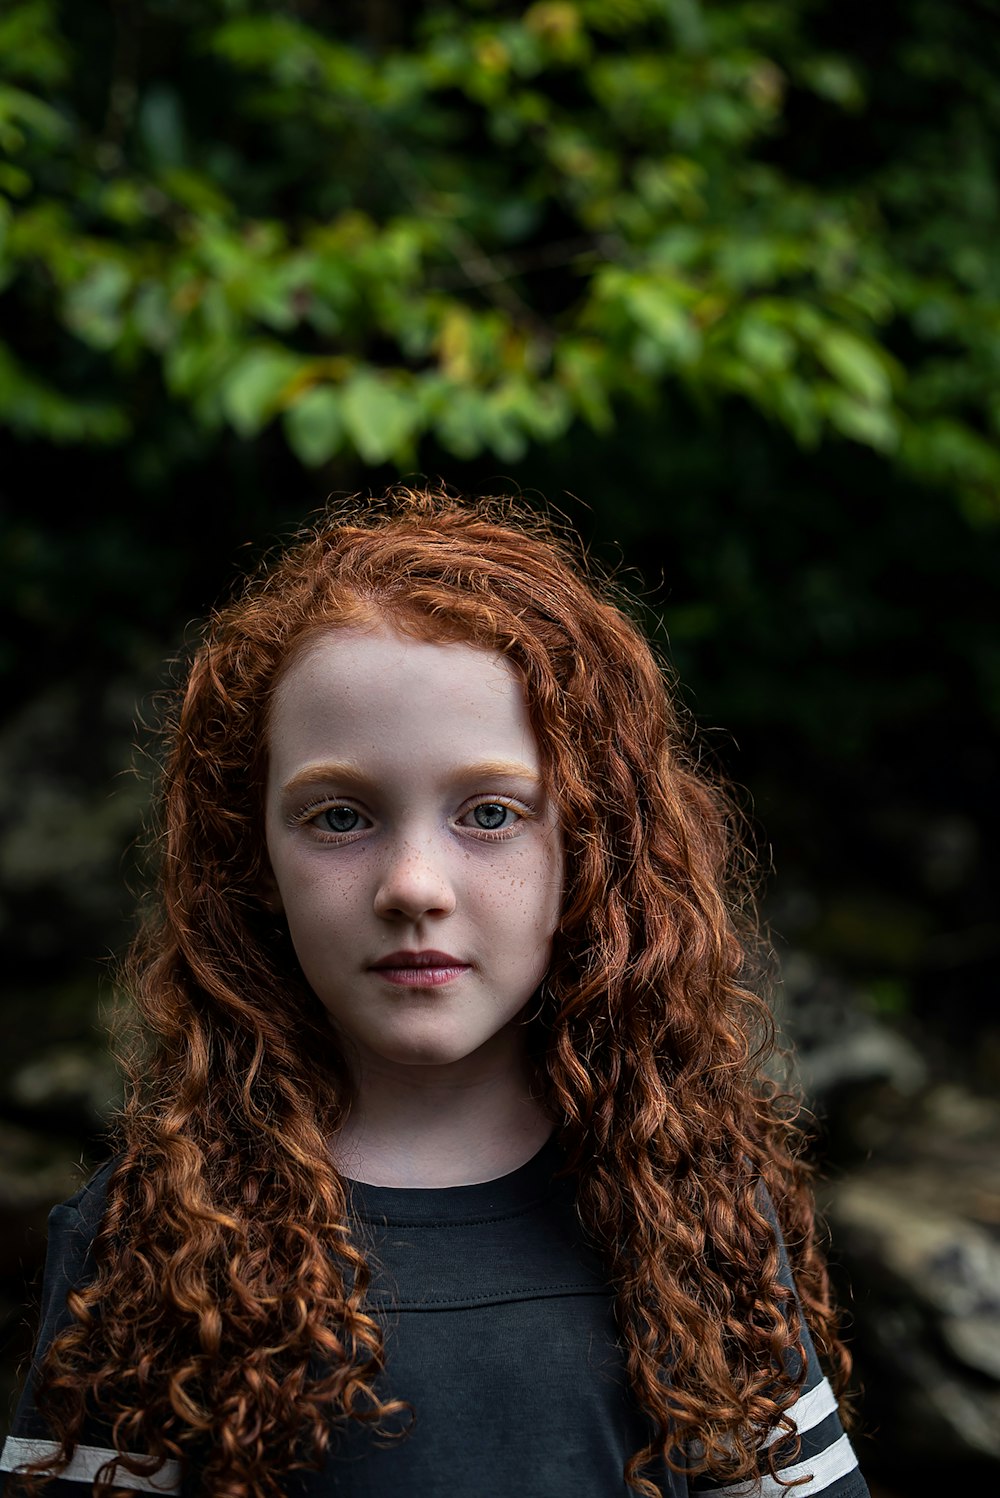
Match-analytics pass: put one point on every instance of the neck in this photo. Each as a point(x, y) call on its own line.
point(438, 1126)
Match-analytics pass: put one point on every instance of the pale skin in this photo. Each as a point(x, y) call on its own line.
point(406, 814)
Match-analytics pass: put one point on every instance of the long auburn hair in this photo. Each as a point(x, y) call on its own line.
point(228, 1316)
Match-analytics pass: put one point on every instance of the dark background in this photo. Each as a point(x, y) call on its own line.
point(720, 284)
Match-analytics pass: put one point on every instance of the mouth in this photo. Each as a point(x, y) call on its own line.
point(420, 969)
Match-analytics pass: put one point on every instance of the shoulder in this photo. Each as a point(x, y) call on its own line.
point(824, 1461)
point(73, 1225)
point(89, 1200)
point(69, 1264)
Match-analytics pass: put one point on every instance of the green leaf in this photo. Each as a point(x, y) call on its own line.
point(17, 107)
point(379, 418)
point(193, 190)
point(193, 363)
point(152, 316)
point(765, 345)
point(834, 78)
point(794, 402)
point(875, 426)
point(458, 421)
point(664, 320)
point(251, 391)
point(542, 410)
point(94, 306)
point(13, 181)
point(30, 43)
point(582, 367)
point(857, 363)
point(314, 425)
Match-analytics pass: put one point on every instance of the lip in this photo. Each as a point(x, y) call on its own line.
point(426, 969)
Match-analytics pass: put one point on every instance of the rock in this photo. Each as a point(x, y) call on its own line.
point(69, 1083)
point(868, 1053)
point(975, 1343)
point(840, 1045)
point(918, 1231)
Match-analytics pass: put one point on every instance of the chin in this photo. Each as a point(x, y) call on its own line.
point(429, 1049)
point(426, 1054)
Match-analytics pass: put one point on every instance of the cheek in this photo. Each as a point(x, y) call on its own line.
point(319, 898)
point(549, 883)
point(529, 898)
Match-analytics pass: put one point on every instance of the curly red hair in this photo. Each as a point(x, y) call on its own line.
point(227, 1320)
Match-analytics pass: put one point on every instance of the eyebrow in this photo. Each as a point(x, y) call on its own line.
point(346, 773)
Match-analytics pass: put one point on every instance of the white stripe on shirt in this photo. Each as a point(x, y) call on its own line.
point(822, 1470)
point(808, 1411)
point(85, 1463)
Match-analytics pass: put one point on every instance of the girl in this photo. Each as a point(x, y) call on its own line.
point(447, 1165)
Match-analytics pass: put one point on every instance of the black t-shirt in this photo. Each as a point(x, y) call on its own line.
point(500, 1331)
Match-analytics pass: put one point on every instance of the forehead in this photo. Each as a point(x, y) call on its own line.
point(389, 690)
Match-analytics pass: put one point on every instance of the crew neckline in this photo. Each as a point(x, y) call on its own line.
point(513, 1192)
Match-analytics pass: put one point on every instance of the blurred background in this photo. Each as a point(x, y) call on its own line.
point(719, 281)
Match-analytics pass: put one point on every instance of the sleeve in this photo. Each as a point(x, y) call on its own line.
point(69, 1263)
point(825, 1464)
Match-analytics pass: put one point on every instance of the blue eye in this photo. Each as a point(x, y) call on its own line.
point(489, 815)
point(339, 819)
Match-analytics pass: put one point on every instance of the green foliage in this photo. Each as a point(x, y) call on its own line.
point(726, 270)
point(478, 223)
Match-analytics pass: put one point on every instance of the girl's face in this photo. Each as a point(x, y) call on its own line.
point(415, 854)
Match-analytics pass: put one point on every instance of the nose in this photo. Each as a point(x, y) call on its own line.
point(415, 882)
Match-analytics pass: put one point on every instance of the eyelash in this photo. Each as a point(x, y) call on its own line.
point(308, 814)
